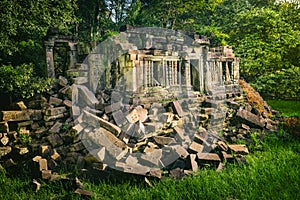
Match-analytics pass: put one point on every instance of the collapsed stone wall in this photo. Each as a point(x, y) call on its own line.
point(164, 136)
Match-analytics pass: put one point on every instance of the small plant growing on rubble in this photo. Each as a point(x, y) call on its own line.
point(25, 139)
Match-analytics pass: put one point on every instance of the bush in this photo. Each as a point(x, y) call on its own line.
point(283, 84)
point(20, 82)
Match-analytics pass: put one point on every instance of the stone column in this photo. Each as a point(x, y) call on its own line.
point(188, 74)
point(73, 54)
point(49, 58)
point(227, 73)
point(220, 72)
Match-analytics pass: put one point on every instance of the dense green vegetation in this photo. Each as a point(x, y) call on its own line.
point(265, 34)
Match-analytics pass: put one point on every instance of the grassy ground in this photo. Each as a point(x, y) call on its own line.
point(273, 173)
point(289, 108)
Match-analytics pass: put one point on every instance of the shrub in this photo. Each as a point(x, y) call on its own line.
point(20, 82)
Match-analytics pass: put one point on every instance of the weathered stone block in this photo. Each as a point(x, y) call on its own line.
point(239, 148)
point(196, 147)
point(179, 133)
point(56, 111)
point(46, 174)
point(54, 117)
point(96, 121)
point(119, 118)
point(162, 140)
point(62, 81)
point(55, 140)
point(43, 164)
point(208, 157)
point(83, 94)
point(155, 172)
point(23, 115)
point(194, 164)
point(56, 127)
point(4, 140)
point(55, 101)
point(5, 150)
point(250, 118)
point(67, 103)
point(178, 109)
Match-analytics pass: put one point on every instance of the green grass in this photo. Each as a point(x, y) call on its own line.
point(273, 173)
point(289, 108)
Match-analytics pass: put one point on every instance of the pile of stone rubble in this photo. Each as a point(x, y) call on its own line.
point(167, 136)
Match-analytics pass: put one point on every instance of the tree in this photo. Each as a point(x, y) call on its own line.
point(24, 24)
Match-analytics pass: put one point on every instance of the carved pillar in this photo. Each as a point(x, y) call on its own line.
point(73, 54)
point(188, 74)
point(227, 73)
point(49, 58)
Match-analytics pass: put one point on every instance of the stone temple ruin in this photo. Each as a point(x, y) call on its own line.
point(146, 102)
point(140, 59)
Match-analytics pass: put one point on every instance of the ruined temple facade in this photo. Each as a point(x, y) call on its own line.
point(139, 59)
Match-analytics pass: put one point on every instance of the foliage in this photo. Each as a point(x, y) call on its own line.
point(24, 26)
point(20, 82)
point(283, 84)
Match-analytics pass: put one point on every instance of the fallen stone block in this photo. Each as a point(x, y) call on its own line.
point(55, 155)
point(43, 164)
point(56, 110)
point(21, 106)
point(207, 111)
point(181, 151)
point(250, 118)
point(103, 138)
point(226, 157)
point(196, 147)
point(96, 121)
point(113, 107)
point(119, 118)
point(4, 140)
point(178, 109)
point(45, 150)
point(162, 140)
point(193, 162)
point(83, 94)
point(222, 145)
point(239, 148)
point(155, 172)
point(55, 140)
point(46, 174)
point(67, 103)
point(83, 192)
point(142, 113)
point(56, 127)
point(54, 117)
point(55, 101)
point(134, 169)
point(152, 158)
point(23, 115)
point(62, 81)
point(179, 133)
point(5, 150)
point(208, 157)
point(133, 116)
